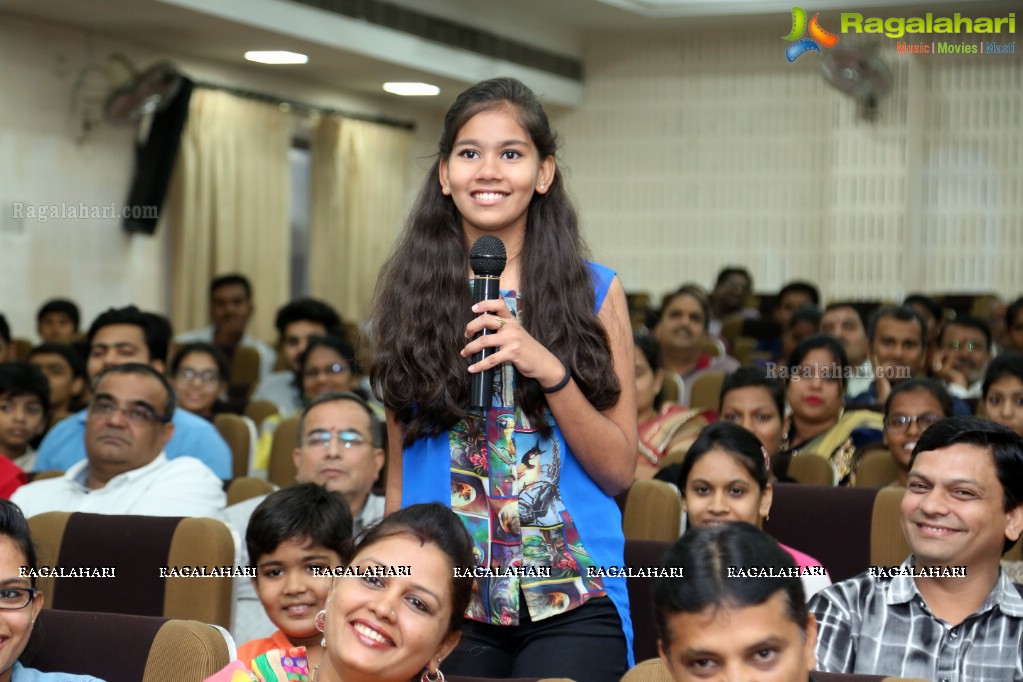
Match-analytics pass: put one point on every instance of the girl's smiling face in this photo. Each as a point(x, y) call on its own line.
point(493, 171)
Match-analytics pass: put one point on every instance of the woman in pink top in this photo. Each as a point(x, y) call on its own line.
point(724, 478)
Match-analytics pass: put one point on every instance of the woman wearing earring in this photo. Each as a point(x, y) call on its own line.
point(819, 423)
point(394, 611)
point(20, 603)
point(724, 479)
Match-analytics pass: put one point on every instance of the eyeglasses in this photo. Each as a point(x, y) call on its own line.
point(329, 370)
point(901, 422)
point(139, 415)
point(14, 598)
point(968, 346)
point(206, 376)
point(347, 440)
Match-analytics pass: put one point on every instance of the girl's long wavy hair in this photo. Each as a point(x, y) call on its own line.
point(423, 297)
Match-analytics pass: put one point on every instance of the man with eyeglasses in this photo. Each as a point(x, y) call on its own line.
point(119, 336)
point(126, 470)
point(948, 612)
point(964, 349)
point(341, 447)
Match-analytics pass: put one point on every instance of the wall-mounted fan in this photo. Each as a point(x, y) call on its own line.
point(117, 92)
point(146, 93)
point(860, 73)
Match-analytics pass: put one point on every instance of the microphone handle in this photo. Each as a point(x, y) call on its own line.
point(481, 391)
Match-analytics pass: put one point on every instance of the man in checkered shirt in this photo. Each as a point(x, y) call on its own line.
point(948, 613)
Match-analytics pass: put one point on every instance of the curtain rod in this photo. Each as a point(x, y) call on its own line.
point(305, 106)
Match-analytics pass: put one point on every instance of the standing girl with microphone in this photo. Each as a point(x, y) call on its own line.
point(533, 476)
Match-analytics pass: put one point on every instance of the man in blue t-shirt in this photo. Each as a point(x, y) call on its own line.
point(116, 337)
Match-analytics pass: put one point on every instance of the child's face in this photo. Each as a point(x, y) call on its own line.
point(289, 590)
point(56, 328)
point(493, 171)
point(21, 419)
point(64, 385)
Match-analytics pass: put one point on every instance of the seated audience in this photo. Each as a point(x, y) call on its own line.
point(24, 404)
point(844, 322)
point(820, 425)
point(756, 402)
point(803, 324)
point(724, 478)
point(127, 335)
point(294, 536)
point(65, 373)
point(898, 343)
point(393, 629)
point(125, 470)
point(296, 323)
point(791, 297)
point(913, 406)
point(7, 350)
point(328, 363)
point(995, 320)
point(57, 321)
point(948, 612)
point(681, 334)
point(662, 428)
point(1003, 391)
point(340, 447)
point(733, 287)
point(714, 625)
point(1014, 325)
point(964, 349)
point(230, 311)
point(20, 601)
point(199, 375)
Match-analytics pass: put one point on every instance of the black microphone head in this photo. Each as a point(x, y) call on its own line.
point(487, 256)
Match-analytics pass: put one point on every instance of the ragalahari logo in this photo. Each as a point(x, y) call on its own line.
point(819, 37)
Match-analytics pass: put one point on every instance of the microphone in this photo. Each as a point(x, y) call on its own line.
point(487, 257)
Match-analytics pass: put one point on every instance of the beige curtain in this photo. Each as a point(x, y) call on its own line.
point(229, 206)
point(358, 177)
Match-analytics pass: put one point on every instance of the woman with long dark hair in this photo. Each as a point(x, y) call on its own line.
point(532, 476)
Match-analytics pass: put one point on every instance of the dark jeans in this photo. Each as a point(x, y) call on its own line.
point(585, 644)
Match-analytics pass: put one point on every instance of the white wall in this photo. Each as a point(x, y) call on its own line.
point(694, 150)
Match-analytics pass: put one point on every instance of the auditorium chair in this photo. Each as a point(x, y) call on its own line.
point(122, 648)
point(281, 470)
point(247, 487)
point(809, 469)
point(244, 370)
point(653, 511)
point(875, 467)
point(259, 410)
point(137, 547)
point(706, 391)
point(240, 435)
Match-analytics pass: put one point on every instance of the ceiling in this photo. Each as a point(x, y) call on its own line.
point(363, 56)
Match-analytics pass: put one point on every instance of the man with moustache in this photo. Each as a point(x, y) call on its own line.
point(964, 349)
point(126, 471)
point(948, 613)
point(843, 321)
point(682, 334)
point(340, 446)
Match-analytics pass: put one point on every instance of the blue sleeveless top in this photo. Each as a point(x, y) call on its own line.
point(537, 519)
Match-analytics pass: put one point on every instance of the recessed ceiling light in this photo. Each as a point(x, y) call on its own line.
point(412, 89)
point(276, 57)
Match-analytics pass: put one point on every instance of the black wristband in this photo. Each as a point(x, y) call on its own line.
point(561, 384)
